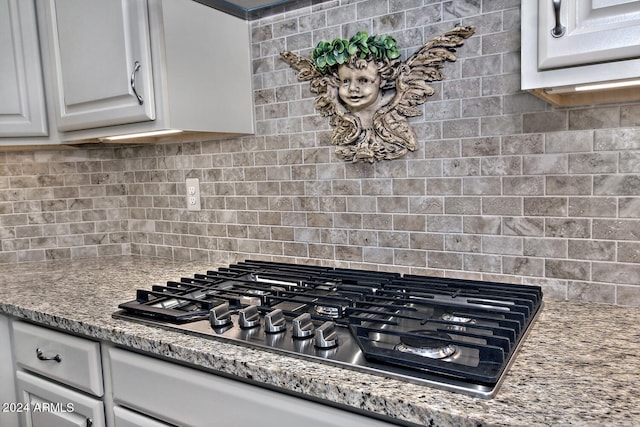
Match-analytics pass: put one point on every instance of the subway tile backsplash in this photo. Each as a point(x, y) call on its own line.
point(503, 186)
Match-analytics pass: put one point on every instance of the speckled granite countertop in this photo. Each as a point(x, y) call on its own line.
point(579, 366)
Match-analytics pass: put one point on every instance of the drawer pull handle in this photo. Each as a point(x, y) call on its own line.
point(136, 67)
point(559, 29)
point(41, 356)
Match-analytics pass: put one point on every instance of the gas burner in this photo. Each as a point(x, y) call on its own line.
point(423, 344)
point(458, 319)
point(461, 319)
point(328, 311)
point(252, 298)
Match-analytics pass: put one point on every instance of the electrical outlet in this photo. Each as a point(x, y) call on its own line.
point(193, 194)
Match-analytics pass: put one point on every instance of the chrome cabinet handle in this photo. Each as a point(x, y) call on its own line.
point(41, 356)
point(559, 29)
point(136, 67)
point(89, 422)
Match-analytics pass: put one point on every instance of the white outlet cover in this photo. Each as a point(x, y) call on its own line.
point(193, 194)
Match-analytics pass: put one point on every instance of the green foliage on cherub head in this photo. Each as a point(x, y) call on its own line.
point(327, 55)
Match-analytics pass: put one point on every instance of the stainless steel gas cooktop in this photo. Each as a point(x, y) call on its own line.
point(458, 335)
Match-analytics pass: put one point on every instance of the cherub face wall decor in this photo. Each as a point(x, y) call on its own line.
point(368, 92)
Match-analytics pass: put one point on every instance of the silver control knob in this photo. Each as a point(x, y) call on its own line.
point(249, 317)
point(274, 322)
point(302, 326)
point(220, 315)
point(326, 335)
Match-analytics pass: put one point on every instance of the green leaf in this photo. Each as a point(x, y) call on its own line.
point(389, 42)
point(360, 37)
point(324, 46)
point(342, 57)
point(331, 59)
point(339, 45)
point(393, 53)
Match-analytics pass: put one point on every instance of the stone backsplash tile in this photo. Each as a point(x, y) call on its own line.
point(502, 186)
point(625, 229)
point(545, 247)
point(523, 226)
point(445, 261)
point(567, 184)
point(591, 206)
point(629, 207)
point(523, 266)
point(630, 115)
point(596, 250)
point(547, 121)
point(462, 243)
point(627, 295)
point(589, 291)
point(616, 185)
point(567, 269)
point(545, 206)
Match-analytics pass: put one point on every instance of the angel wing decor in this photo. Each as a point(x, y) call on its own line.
point(368, 93)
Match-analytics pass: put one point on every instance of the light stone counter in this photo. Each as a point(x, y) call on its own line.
point(579, 366)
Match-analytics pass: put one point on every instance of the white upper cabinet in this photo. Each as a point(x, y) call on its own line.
point(567, 43)
point(589, 32)
point(22, 101)
point(123, 67)
point(101, 57)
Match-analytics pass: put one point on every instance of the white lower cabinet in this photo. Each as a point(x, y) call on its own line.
point(51, 405)
point(188, 397)
point(62, 380)
point(58, 378)
point(8, 411)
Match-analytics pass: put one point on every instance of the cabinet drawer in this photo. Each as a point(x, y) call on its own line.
point(65, 358)
point(125, 418)
point(189, 397)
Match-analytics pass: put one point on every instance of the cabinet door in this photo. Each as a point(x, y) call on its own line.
point(52, 405)
point(594, 31)
point(100, 53)
point(22, 102)
point(188, 397)
point(7, 390)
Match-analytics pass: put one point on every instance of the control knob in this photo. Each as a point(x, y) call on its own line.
point(302, 326)
point(249, 317)
point(220, 315)
point(326, 335)
point(274, 322)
